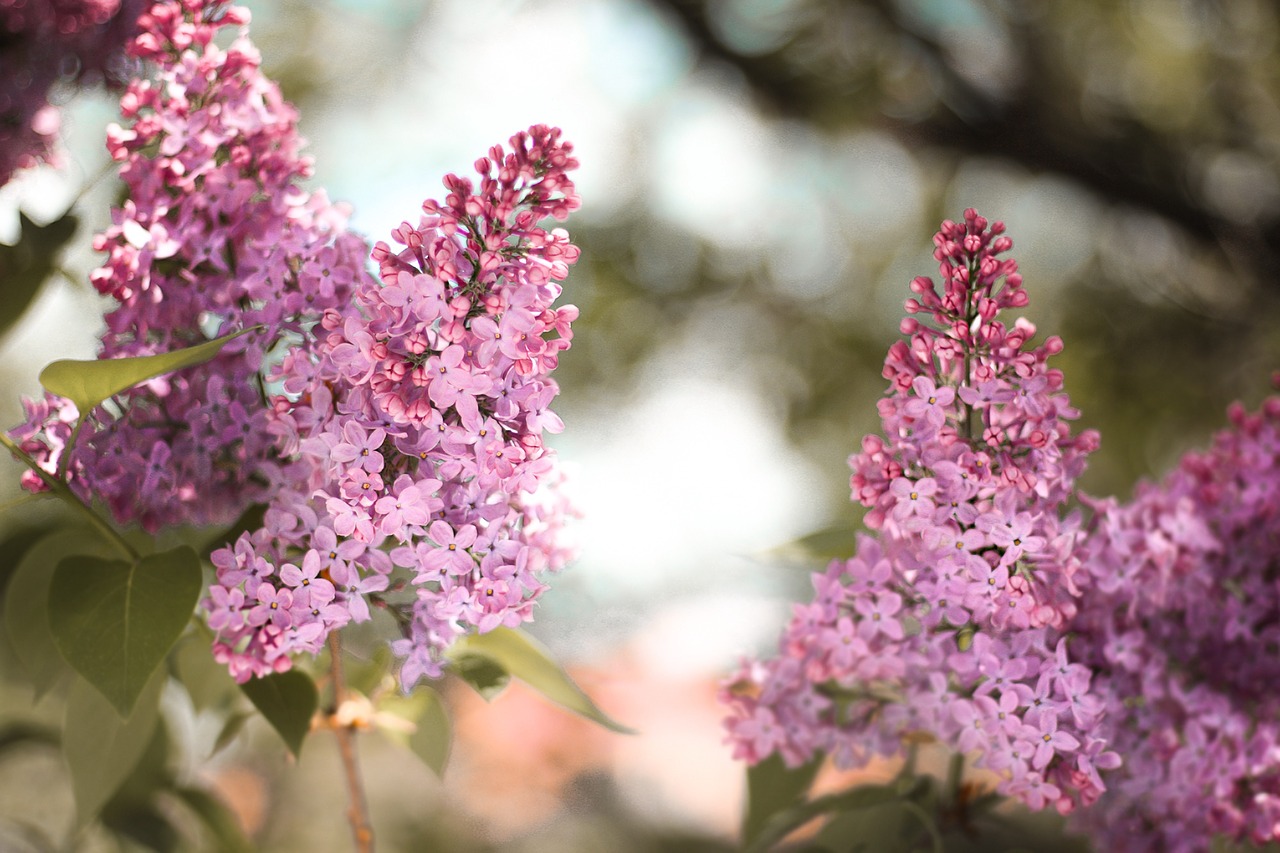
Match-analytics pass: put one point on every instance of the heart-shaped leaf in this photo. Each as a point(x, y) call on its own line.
point(523, 657)
point(102, 749)
point(288, 700)
point(88, 383)
point(114, 622)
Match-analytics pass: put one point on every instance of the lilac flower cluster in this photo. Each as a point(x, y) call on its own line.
point(46, 42)
point(419, 414)
point(216, 235)
point(1179, 624)
point(951, 620)
point(384, 423)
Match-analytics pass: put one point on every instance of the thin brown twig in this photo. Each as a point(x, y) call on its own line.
point(358, 811)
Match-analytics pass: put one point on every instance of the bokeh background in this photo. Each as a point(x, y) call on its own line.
point(760, 182)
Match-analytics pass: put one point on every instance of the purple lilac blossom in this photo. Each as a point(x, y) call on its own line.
point(1178, 622)
point(951, 617)
point(418, 410)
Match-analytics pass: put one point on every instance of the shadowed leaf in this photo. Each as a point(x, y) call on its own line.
point(288, 700)
point(115, 622)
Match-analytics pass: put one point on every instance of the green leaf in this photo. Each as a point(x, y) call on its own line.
point(216, 817)
point(26, 265)
point(88, 383)
point(115, 622)
point(101, 749)
point(485, 677)
point(288, 700)
point(26, 606)
point(521, 656)
point(773, 787)
point(434, 736)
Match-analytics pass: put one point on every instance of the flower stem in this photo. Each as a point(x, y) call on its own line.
point(59, 488)
point(358, 810)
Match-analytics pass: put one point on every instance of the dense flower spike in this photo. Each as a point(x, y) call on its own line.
point(420, 414)
point(217, 235)
point(1182, 588)
point(45, 43)
point(951, 620)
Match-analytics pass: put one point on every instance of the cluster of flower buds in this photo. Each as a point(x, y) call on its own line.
point(419, 415)
point(951, 619)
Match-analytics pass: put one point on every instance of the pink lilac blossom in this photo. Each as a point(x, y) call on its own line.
point(48, 42)
point(418, 411)
point(1182, 588)
point(951, 618)
point(216, 235)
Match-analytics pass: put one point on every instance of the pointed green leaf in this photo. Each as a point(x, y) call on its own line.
point(288, 700)
point(26, 606)
point(115, 622)
point(101, 749)
point(773, 787)
point(434, 736)
point(88, 383)
point(523, 657)
point(26, 265)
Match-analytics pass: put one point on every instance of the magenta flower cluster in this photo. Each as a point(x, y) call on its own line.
point(48, 42)
point(1182, 593)
point(216, 235)
point(392, 426)
point(952, 619)
point(420, 415)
